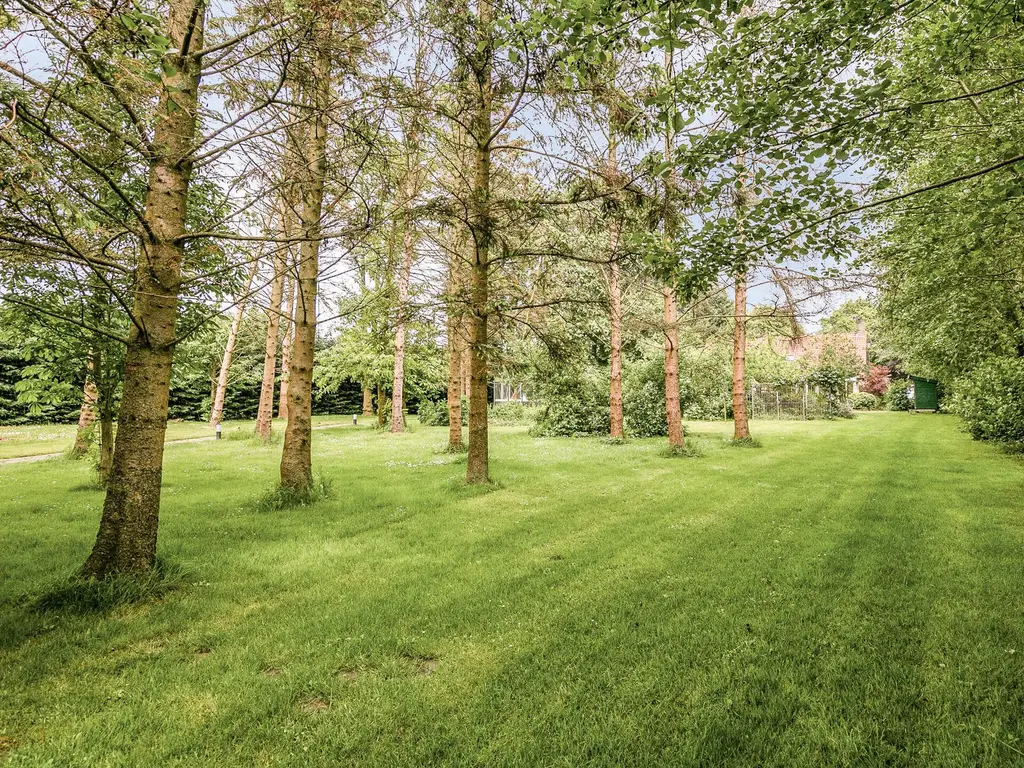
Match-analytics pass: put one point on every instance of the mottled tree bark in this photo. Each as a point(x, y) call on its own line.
point(398, 381)
point(105, 407)
point(86, 415)
point(367, 400)
point(296, 456)
point(741, 429)
point(287, 331)
point(278, 325)
point(456, 347)
point(464, 361)
point(615, 431)
point(265, 412)
point(477, 464)
point(615, 307)
point(126, 541)
point(672, 409)
point(673, 413)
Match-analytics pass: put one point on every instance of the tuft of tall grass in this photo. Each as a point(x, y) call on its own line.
point(693, 449)
point(280, 498)
point(80, 595)
point(743, 442)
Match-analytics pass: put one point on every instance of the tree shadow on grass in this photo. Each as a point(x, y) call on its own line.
point(33, 614)
point(79, 595)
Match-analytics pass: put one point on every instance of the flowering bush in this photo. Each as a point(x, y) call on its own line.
point(876, 382)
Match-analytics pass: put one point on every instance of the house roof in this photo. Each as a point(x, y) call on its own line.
point(812, 347)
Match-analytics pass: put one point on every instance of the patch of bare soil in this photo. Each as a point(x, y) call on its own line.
point(426, 665)
point(315, 705)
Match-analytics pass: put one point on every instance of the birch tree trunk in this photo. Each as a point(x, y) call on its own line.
point(127, 537)
point(296, 456)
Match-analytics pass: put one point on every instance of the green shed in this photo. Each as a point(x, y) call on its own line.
point(926, 394)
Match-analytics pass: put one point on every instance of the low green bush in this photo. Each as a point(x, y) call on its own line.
point(705, 384)
point(897, 398)
point(864, 401)
point(434, 413)
point(576, 405)
point(643, 405)
point(511, 414)
point(990, 400)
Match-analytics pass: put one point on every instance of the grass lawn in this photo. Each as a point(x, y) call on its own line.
point(848, 594)
point(38, 439)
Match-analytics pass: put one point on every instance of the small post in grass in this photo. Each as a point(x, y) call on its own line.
point(355, 420)
point(218, 431)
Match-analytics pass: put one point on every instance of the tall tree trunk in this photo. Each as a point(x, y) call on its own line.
point(380, 406)
point(296, 456)
point(477, 465)
point(217, 411)
point(265, 412)
point(106, 435)
point(126, 541)
point(464, 361)
point(398, 383)
point(615, 305)
point(741, 429)
point(739, 353)
point(367, 400)
point(614, 300)
point(276, 325)
point(456, 346)
point(287, 333)
point(673, 412)
point(86, 414)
